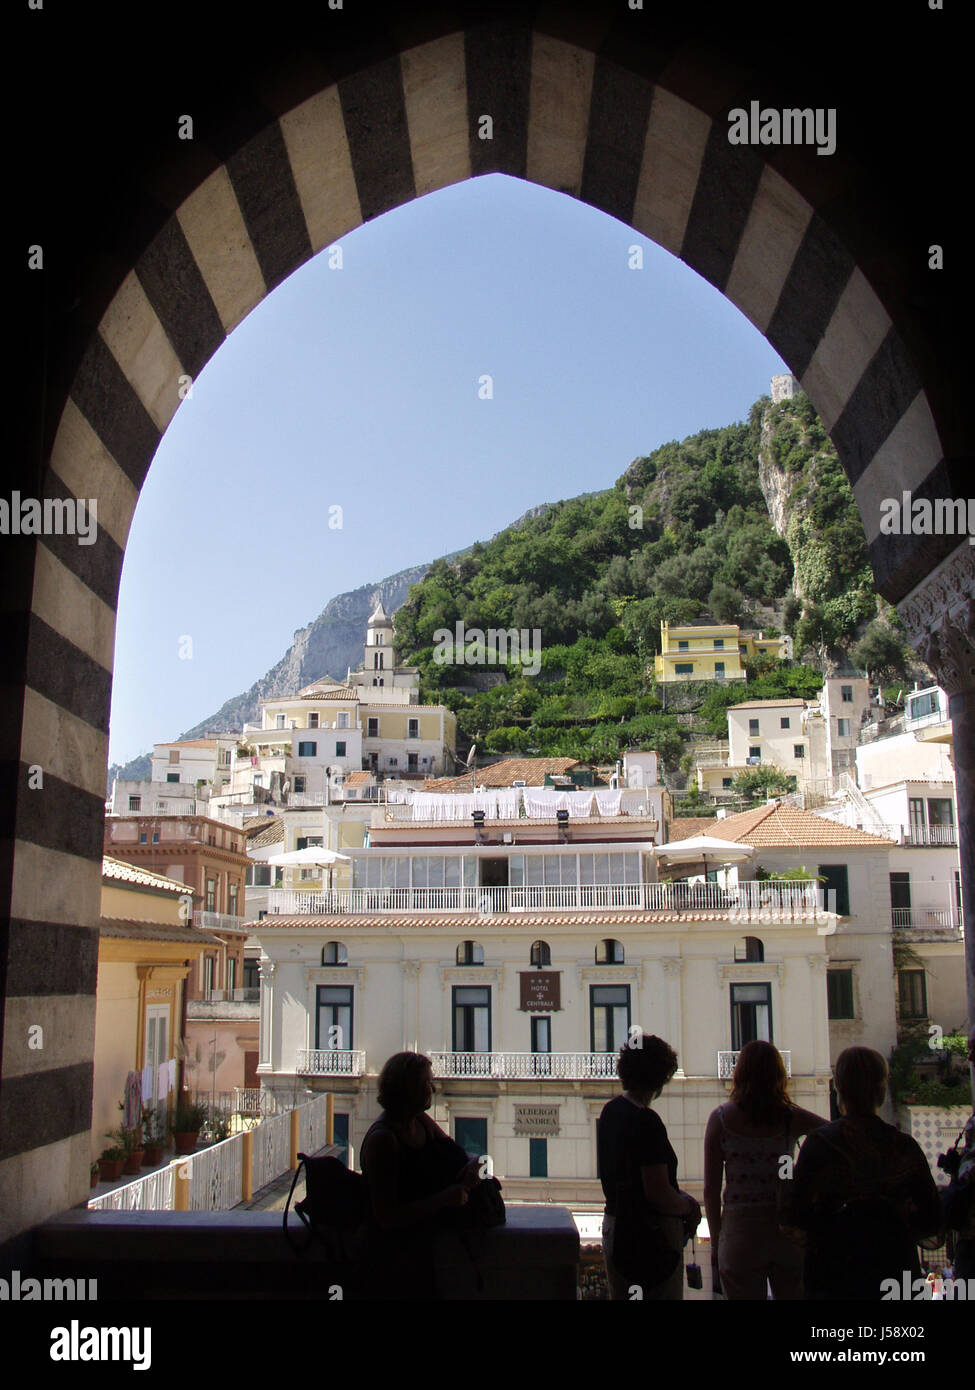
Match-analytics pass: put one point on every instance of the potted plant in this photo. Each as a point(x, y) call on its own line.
point(188, 1119)
point(94, 1174)
point(110, 1164)
point(153, 1138)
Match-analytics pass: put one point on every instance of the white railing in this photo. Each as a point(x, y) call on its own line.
point(727, 1060)
point(204, 918)
point(774, 899)
point(328, 1061)
point(574, 1066)
point(248, 995)
point(933, 904)
point(929, 835)
point(214, 1176)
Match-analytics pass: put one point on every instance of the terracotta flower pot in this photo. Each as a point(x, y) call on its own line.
point(110, 1168)
point(186, 1142)
point(133, 1161)
point(152, 1155)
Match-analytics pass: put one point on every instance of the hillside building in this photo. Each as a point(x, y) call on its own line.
point(712, 652)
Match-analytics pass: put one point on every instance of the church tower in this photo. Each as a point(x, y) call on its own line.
point(380, 656)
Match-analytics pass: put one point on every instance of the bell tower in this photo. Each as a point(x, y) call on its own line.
point(380, 656)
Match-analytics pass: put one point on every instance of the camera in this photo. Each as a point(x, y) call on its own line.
point(695, 1280)
point(950, 1162)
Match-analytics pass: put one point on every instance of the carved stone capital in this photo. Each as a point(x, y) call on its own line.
point(411, 969)
point(266, 969)
point(939, 616)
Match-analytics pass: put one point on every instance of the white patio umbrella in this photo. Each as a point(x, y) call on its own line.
point(311, 854)
point(704, 849)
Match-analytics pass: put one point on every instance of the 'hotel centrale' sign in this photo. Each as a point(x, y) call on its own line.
point(540, 990)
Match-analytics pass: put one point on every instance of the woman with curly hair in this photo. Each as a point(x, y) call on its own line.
point(634, 1154)
point(745, 1140)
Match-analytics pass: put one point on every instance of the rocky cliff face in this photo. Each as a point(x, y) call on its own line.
point(776, 485)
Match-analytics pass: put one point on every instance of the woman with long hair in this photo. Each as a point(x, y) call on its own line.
point(634, 1154)
point(745, 1142)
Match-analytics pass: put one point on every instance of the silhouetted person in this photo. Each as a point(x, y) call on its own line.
point(863, 1192)
point(633, 1147)
point(745, 1140)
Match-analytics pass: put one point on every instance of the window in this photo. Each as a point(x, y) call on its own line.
point(172, 776)
point(334, 953)
point(231, 973)
point(843, 728)
point(372, 728)
point(839, 993)
point(252, 974)
point(749, 949)
point(751, 1014)
point(922, 705)
point(207, 976)
point(799, 750)
point(726, 781)
point(912, 994)
point(837, 880)
point(900, 900)
point(684, 668)
point(279, 721)
point(470, 1132)
point(174, 755)
point(538, 1158)
point(412, 762)
point(719, 670)
point(379, 639)
point(846, 694)
point(343, 722)
point(541, 954)
point(609, 1017)
point(719, 644)
point(307, 749)
point(755, 753)
point(299, 784)
point(470, 953)
point(313, 719)
point(413, 728)
point(753, 728)
point(340, 745)
point(211, 895)
point(333, 1024)
point(135, 803)
point(609, 952)
point(377, 661)
point(472, 1018)
point(259, 876)
point(155, 837)
point(785, 722)
point(308, 842)
point(143, 837)
point(683, 646)
point(541, 1032)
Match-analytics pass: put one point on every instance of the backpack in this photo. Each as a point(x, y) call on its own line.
point(335, 1203)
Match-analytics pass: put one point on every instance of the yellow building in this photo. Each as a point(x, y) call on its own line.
point(146, 948)
point(714, 652)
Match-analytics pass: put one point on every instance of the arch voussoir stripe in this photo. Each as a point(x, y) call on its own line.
point(374, 111)
point(262, 180)
point(498, 59)
point(99, 565)
point(51, 958)
point(111, 406)
point(41, 1108)
point(60, 816)
point(726, 189)
point(898, 560)
point(178, 293)
point(882, 396)
point(67, 676)
point(818, 276)
point(619, 113)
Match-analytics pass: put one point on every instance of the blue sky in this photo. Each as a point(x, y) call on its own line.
point(358, 388)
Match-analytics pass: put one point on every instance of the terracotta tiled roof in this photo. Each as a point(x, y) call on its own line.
point(272, 834)
point(768, 704)
point(780, 826)
point(154, 931)
point(195, 742)
point(121, 872)
point(358, 779)
point(531, 771)
point(461, 921)
point(684, 827)
point(327, 692)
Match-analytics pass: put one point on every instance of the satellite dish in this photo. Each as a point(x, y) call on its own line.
point(470, 756)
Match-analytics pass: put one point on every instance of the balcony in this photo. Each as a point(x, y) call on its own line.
point(930, 836)
point(526, 1066)
point(250, 995)
point(779, 900)
point(217, 921)
point(327, 1061)
point(930, 907)
point(727, 1060)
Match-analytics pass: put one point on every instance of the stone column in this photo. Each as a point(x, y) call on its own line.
point(940, 619)
point(265, 1061)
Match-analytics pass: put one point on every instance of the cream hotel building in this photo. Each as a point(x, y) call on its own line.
point(520, 934)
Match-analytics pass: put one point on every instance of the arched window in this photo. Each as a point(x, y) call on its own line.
point(749, 949)
point(334, 953)
point(470, 953)
point(609, 952)
point(541, 954)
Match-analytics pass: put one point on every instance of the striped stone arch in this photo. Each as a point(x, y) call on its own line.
point(402, 127)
